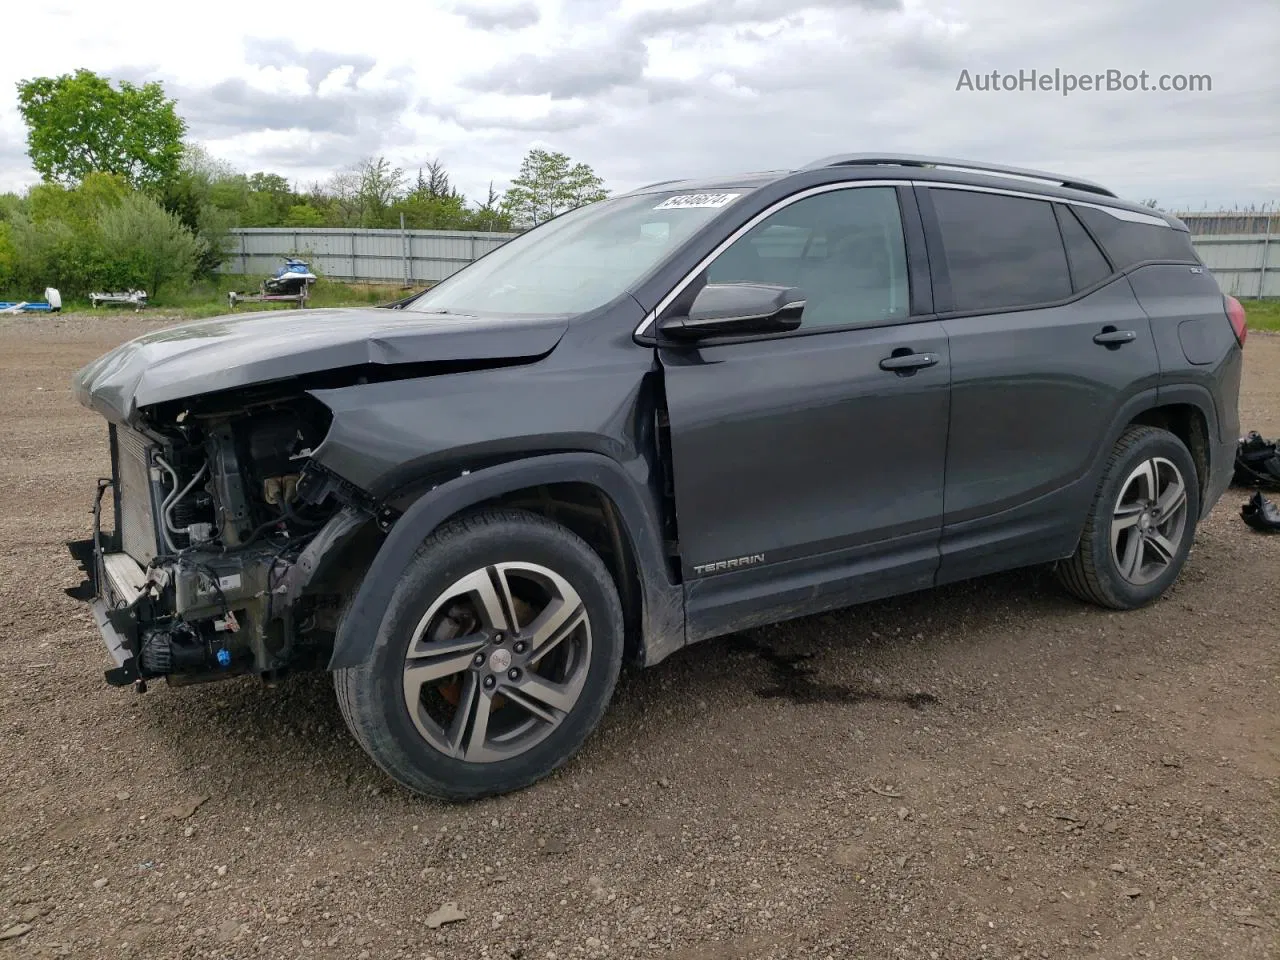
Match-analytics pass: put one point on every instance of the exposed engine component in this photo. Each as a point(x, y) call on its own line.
point(170, 528)
point(278, 490)
point(223, 505)
point(181, 650)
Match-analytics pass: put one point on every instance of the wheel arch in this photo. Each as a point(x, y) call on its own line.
point(589, 493)
point(1187, 422)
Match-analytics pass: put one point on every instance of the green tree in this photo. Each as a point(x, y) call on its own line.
point(304, 215)
point(209, 197)
point(149, 247)
point(490, 215)
point(269, 199)
point(548, 185)
point(8, 258)
point(78, 123)
point(11, 206)
point(79, 206)
point(381, 185)
point(424, 212)
point(435, 185)
point(55, 253)
point(55, 237)
point(362, 194)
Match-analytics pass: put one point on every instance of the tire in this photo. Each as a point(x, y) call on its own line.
point(1107, 568)
point(449, 735)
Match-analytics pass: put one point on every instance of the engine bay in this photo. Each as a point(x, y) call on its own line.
point(214, 508)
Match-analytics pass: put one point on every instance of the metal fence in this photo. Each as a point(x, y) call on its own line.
point(1246, 264)
point(377, 256)
point(1232, 221)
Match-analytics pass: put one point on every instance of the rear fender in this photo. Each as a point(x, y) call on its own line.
point(1143, 402)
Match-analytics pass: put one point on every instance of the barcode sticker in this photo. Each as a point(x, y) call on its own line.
point(696, 200)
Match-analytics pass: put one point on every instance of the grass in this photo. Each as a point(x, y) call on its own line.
point(208, 298)
point(1262, 314)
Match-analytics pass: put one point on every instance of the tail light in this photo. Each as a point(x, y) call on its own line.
point(1239, 322)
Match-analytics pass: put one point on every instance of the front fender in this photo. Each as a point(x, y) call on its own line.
point(662, 603)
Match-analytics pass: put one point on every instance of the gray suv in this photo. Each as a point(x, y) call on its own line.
point(689, 410)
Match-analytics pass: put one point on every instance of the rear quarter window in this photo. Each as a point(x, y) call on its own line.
point(1127, 242)
point(1088, 265)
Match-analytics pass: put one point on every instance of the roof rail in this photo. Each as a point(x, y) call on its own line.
point(912, 160)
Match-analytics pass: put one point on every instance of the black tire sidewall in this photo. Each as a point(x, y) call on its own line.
point(449, 555)
point(1157, 443)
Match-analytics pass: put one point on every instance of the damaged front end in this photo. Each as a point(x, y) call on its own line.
point(220, 559)
point(234, 541)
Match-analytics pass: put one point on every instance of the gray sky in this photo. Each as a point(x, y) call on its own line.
point(649, 90)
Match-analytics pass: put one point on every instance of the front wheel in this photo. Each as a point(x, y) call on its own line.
point(1141, 524)
point(499, 653)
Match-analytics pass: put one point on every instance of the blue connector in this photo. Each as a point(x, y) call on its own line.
point(224, 657)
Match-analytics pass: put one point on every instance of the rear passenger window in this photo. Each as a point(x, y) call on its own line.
point(1088, 265)
point(1001, 252)
point(1128, 242)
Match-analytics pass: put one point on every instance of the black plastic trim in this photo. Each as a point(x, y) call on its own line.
point(663, 627)
point(939, 273)
point(920, 284)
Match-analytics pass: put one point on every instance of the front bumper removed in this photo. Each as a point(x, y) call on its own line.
point(114, 617)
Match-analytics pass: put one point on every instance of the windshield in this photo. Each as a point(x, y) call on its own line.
point(578, 261)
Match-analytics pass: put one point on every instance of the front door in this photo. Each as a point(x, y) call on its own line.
point(808, 467)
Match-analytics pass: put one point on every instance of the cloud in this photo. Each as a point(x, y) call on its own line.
point(737, 12)
point(646, 90)
point(559, 118)
point(619, 57)
point(236, 106)
point(489, 15)
point(567, 73)
point(318, 64)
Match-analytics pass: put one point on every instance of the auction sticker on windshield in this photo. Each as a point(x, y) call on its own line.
point(695, 200)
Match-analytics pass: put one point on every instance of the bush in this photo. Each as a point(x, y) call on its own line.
point(148, 246)
point(51, 237)
point(80, 206)
point(53, 254)
point(8, 258)
point(304, 215)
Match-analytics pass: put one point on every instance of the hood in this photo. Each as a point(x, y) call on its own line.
point(207, 356)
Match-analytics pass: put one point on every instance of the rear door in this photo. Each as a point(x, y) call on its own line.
point(808, 473)
point(1047, 344)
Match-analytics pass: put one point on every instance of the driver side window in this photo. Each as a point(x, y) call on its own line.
point(843, 249)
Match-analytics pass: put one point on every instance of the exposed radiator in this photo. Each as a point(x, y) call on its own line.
point(133, 480)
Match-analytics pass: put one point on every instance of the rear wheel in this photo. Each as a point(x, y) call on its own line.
point(1141, 524)
point(500, 651)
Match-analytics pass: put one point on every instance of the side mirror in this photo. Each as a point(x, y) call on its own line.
point(734, 309)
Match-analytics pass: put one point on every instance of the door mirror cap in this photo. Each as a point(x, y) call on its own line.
point(737, 309)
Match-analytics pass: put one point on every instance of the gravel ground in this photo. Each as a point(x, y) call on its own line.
point(987, 770)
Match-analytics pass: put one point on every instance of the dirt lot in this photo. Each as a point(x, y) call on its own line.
point(989, 770)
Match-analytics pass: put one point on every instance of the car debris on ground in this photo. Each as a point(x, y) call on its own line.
point(1258, 465)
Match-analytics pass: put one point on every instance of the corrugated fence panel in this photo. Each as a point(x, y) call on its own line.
point(1238, 262)
point(1246, 265)
point(419, 256)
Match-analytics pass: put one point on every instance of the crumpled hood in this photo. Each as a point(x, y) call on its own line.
point(207, 356)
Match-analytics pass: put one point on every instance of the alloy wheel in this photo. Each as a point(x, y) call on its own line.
point(497, 662)
point(1148, 521)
